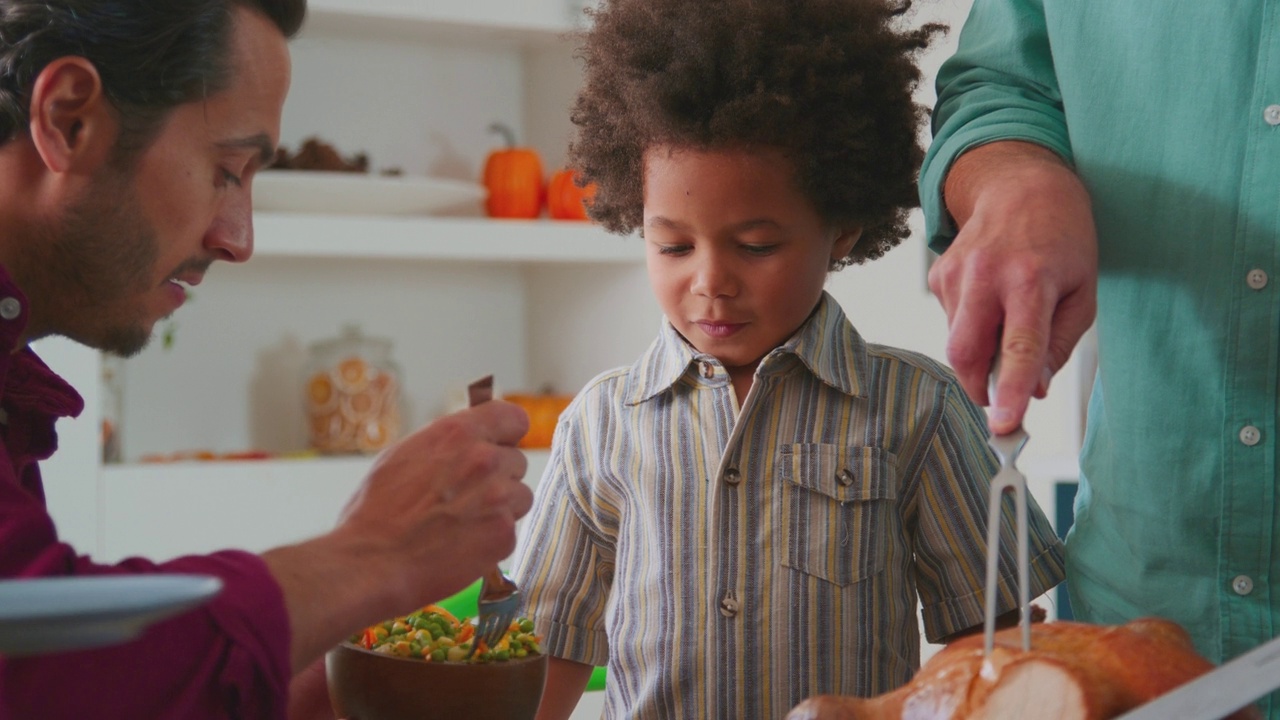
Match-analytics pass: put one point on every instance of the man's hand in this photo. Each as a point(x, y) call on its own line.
point(435, 510)
point(1021, 276)
point(444, 501)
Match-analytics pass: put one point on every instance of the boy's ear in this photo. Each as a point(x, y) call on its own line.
point(844, 243)
point(72, 124)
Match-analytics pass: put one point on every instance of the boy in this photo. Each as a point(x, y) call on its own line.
point(749, 514)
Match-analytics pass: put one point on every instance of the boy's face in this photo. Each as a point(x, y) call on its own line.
point(737, 256)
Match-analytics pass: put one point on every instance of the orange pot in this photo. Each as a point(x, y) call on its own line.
point(565, 200)
point(513, 179)
point(544, 412)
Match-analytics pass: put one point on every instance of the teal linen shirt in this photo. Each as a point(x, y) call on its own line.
point(1170, 112)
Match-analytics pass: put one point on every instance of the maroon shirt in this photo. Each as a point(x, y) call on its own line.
point(228, 659)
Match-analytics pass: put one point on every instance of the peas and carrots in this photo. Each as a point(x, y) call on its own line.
point(436, 635)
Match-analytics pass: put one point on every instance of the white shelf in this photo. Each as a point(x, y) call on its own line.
point(425, 238)
point(165, 510)
point(320, 469)
point(530, 23)
point(252, 472)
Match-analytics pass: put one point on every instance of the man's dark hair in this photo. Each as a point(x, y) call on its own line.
point(152, 55)
point(828, 82)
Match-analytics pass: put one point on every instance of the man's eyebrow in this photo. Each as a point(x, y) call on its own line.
point(261, 142)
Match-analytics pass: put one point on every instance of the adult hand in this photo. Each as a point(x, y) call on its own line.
point(443, 502)
point(1021, 276)
point(435, 510)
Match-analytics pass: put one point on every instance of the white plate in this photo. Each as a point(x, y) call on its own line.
point(361, 194)
point(40, 615)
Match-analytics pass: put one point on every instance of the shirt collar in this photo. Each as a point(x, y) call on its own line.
point(28, 384)
point(14, 312)
point(827, 344)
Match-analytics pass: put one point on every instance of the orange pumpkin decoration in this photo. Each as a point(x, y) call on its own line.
point(513, 177)
point(565, 200)
point(544, 412)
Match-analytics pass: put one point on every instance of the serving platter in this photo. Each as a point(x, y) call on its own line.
point(42, 615)
point(343, 193)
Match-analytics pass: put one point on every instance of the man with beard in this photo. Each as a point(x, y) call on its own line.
point(130, 132)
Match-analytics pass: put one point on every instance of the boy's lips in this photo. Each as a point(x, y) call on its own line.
point(718, 329)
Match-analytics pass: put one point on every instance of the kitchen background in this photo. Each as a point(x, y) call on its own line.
point(415, 84)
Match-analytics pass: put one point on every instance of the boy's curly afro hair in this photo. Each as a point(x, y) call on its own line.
point(828, 82)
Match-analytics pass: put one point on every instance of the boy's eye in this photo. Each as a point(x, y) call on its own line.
point(759, 249)
point(673, 249)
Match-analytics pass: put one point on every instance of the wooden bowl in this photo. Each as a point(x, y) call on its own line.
point(365, 685)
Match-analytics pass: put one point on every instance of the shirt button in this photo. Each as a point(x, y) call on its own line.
point(708, 370)
point(1243, 585)
point(732, 477)
point(1257, 279)
point(728, 607)
point(1250, 435)
point(1272, 114)
point(10, 308)
point(844, 477)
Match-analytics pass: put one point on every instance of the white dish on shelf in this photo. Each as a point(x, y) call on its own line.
point(346, 193)
point(42, 615)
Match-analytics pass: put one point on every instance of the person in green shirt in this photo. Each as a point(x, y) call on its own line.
point(1133, 150)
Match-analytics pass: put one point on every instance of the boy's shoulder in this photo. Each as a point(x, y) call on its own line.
point(901, 359)
point(610, 381)
point(607, 388)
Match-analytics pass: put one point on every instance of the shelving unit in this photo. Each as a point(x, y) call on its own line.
point(414, 83)
point(538, 302)
point(410, 83)
point(533, 242)
point(524, 24)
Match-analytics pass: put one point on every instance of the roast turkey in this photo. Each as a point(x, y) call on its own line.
point(1074, 671)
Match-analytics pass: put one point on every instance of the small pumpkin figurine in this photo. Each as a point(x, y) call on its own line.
point(513, 178)
point(544, 410)
point(565, 199)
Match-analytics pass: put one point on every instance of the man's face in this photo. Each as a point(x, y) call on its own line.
point(125, 249)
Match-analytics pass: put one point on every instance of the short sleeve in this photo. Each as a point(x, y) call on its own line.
point(565, 555)
point(951, 531)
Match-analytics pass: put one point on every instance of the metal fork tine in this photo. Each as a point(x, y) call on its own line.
point(1007, 447)
point(499, 596)
point(495, 617)
point(1009, 478)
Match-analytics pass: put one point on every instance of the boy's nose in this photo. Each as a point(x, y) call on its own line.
point(714, 279)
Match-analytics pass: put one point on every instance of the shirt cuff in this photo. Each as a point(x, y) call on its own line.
point(952, 615)
point(570, 642)
point(940, 227)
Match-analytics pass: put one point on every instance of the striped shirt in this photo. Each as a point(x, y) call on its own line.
point(728, 562)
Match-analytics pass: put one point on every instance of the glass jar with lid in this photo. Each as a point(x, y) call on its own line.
point(352, 394)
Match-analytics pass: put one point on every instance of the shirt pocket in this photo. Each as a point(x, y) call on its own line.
point(834, 505)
